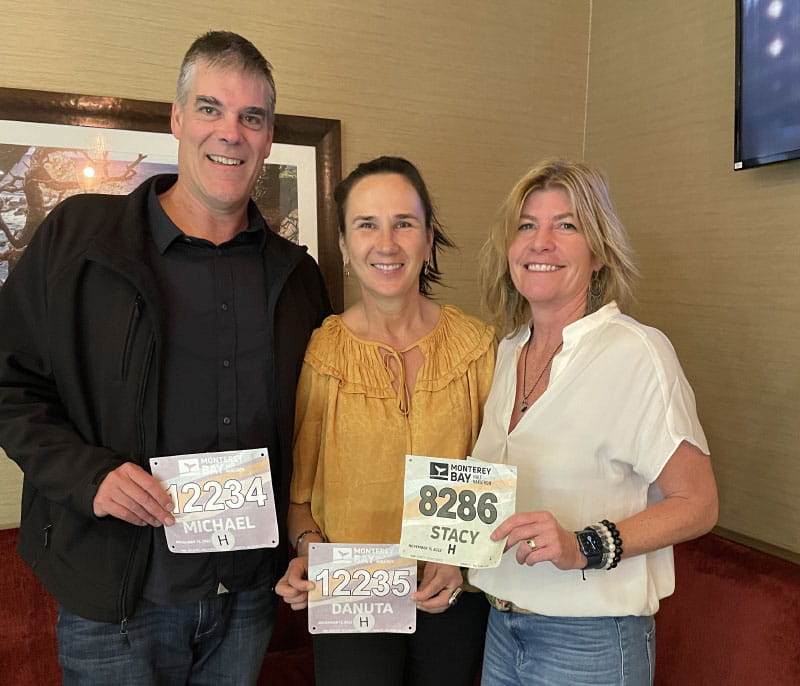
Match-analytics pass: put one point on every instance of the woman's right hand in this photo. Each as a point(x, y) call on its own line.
point(551, 541)
point(294, 586)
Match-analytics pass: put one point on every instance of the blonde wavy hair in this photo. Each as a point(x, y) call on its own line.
point(587, 190)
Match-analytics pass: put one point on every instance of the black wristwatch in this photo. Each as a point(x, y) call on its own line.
point(591, 545)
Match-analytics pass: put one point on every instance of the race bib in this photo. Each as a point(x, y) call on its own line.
point(452, 507)
point(360, 588)
point(221, 501)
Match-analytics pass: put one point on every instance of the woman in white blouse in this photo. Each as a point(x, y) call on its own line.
point(594, 410)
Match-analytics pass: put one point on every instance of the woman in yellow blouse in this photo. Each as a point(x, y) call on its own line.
point(395, 374)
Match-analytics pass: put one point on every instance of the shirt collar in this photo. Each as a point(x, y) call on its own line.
point(574, 332)
point(165, 233)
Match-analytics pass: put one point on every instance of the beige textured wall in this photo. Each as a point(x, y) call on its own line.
point(10, 487)
point(719, 249)
point(473, 92)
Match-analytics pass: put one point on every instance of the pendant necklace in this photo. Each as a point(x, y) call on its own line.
point(524, 403)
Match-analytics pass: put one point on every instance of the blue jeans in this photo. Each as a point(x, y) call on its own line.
point(219, 641)
point(537, 650)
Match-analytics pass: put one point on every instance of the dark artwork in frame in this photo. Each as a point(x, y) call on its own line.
point(53, 145)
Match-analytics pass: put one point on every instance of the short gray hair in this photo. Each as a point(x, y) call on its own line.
point(230, 51)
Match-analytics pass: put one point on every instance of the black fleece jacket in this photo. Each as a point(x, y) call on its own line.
point(80, 348)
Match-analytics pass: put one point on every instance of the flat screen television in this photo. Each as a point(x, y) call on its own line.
point(767, 127)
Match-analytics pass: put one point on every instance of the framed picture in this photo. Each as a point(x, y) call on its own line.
point(53, 145)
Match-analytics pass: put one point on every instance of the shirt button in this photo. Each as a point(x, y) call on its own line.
point(226, 363)
point(226, 420)
point(224, 307)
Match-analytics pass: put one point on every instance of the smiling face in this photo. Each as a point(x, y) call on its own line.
point(224, 137)
point(549, 260)
point(385, 241)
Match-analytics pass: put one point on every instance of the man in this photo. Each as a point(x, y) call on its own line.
point(166, 322)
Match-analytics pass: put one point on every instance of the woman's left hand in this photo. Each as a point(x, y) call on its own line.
point(294, 585)
point(438, 584)
point(550, 541)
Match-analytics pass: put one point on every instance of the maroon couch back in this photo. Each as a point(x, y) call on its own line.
point(28, 647)
point(734, 620)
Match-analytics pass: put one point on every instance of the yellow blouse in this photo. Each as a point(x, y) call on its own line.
point(353, 429)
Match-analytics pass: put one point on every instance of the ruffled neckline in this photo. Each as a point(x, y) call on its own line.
point(456, 342)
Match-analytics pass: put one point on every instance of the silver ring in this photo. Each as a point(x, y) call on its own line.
point(454, 596)
point(531, 544)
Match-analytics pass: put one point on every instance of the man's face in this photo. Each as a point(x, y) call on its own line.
point(223, 135)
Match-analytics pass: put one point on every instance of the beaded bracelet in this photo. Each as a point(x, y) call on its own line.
point(616, 542)
point(306, 533)
point(613, 543)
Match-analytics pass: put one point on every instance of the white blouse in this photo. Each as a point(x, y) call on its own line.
point(617, 407)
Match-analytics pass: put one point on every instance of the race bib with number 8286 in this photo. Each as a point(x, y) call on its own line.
point(451, 508)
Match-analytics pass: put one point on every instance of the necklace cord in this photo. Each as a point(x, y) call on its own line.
point(523, 405)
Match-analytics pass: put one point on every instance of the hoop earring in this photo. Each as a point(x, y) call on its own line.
point(426, 268)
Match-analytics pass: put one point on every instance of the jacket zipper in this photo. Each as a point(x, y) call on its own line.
point(123, 609)
point(123, 623)
point(136, 314)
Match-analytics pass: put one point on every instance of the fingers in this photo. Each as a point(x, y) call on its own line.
point(442, 601)
point(294, 586)
point(534, 536)
point(544, 541)
point(436, 578)
point(439, 584)
point(531, 550)
point(297, 574)
point(297, 599)
point(522, 520)
point(540, 527)
point(133, 495)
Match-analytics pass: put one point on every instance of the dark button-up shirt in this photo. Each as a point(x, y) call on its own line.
point(213, 392)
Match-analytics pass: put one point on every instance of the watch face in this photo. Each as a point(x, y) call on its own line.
point(591, 543)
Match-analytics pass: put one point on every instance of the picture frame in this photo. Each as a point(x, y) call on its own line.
point(306, 150)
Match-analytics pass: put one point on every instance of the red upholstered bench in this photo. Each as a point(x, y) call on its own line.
point(734, 620)
point(28, 649)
